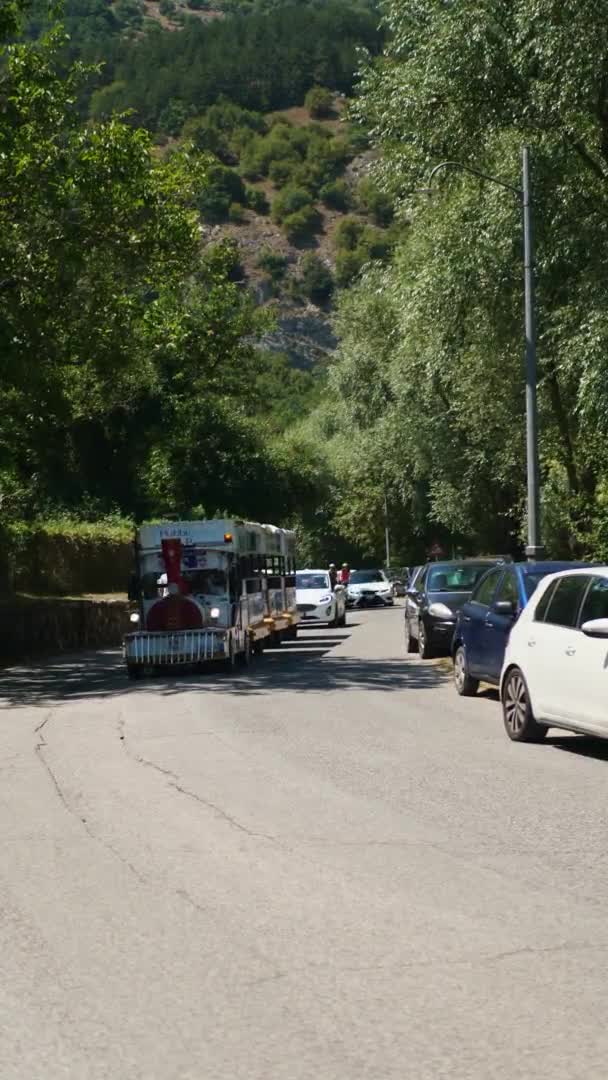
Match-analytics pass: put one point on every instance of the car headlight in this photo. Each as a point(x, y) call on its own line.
point(441, 611)
point(324, 600)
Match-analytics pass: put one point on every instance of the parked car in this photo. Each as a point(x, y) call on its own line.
point(369, 587)
point(555, 672)
point(484, 622)
point(433, 602)
point(317, 600)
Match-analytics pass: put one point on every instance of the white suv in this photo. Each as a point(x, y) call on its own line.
point(555, 672)
point(316, 599)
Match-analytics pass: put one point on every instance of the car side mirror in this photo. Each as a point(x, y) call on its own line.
point(504, 607)
point(595, 628)
point(134, 587)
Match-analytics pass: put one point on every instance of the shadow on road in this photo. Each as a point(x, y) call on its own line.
point(581, 745)
point(303, 666)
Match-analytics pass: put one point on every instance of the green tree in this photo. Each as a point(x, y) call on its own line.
point(301, 226)
point(336, 195)
point(372, 200)
point(316, 279)
point(454, 290)
point(124, 361)
point(289, 201)
point(319, 102)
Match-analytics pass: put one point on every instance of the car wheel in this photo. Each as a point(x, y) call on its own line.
point(410, 642)
point(425, 650)
point(342, 621)
point(465, 684)
point(518, 718)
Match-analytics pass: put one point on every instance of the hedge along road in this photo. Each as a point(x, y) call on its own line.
point(328, 865)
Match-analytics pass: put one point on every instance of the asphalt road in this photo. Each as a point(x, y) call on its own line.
point(325, 868)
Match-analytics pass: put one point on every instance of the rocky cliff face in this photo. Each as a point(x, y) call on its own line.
point(304, 334)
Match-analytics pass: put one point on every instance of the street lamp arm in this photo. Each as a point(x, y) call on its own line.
point(474, 172)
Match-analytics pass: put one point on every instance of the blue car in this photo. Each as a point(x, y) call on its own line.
point(484, 622)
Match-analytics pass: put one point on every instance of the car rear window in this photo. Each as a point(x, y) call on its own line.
point(595, 605)
point(312, 581)
point(456, 578)
point(565, 602)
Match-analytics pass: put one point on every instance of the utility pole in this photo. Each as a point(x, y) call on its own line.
point(386, 533)
point(534, 549)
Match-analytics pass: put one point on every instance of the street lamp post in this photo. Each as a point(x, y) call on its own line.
point(387, 541)
point(534, 549)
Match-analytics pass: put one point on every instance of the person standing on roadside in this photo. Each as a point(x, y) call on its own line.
point(333, 574)
point(345, 574)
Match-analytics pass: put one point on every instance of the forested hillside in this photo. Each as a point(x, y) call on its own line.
point(135, 381)
point(169, 211)
point(167, 68)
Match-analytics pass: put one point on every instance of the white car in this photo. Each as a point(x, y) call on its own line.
point(315, 598)
point(369, 587)
point(555, 672)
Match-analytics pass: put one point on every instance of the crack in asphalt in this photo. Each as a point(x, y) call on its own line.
point(217, 810)
point(39, 751)
point(222, 814)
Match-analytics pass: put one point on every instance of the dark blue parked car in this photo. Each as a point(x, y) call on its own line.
point(484, 622)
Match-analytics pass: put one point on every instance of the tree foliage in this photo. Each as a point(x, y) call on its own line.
point(127, 353)
point(437, 337)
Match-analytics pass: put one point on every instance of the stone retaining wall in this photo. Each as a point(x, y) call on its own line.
point(35, 627)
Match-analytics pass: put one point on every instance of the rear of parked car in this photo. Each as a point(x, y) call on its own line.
point(485, 621)
point(434, 600)
point(555, 672)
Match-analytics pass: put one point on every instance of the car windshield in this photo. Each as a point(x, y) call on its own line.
point(205, 582)
point(366, 577)
point(456, 578)
point(312, 581)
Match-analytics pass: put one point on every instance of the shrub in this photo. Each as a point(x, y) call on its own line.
point(224, 186)
point(198, 131)
point(256, 200)
point(302, 225)
point(289, 201)
point(317, 279)
point(281, 171)
point(173, 117)
point(272, 263)
point(348, 265)
point(374, 202)
point(236, 213)
point(336, 195)
point(319, 102)
point(129, 11)
point(348, 234)
point(377, 243)
point(166, 7)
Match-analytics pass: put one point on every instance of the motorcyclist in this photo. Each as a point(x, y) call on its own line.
point(345, 574)
point(333, 574)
